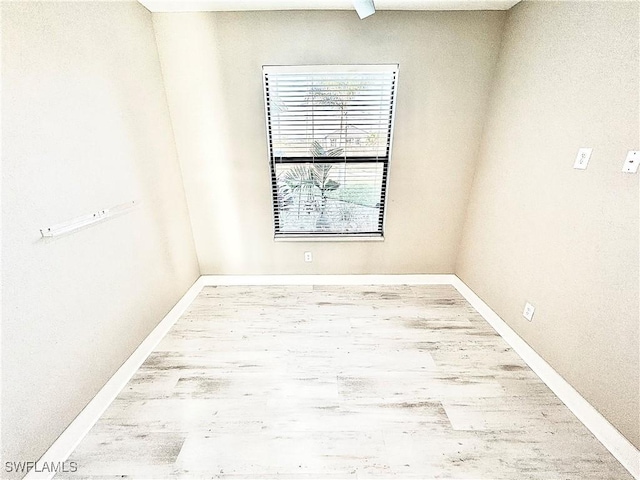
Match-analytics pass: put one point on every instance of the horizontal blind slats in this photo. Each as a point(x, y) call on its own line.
point(329, 139)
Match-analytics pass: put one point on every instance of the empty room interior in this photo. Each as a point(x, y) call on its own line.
point(320, 239)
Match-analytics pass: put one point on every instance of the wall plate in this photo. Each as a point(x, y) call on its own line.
point(582, 159)
point(631, 162)
point(528, 311)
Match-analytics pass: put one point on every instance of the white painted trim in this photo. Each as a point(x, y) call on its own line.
point(242, 5)
point(211, 280)
point(626, 453)
point(327, 238)
point(86, 419)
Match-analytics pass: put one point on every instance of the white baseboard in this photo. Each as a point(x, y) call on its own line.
point(611, 438)
point(624, 451)
point(436, 279)
point(67, 442)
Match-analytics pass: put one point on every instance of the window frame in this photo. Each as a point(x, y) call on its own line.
point(385, 161)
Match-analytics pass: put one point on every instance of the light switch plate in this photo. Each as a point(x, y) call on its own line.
point(582, 159)
point(632, 161)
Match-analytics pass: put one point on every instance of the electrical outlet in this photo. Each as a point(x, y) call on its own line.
point(528, 311)
point(631, 162)
point(308, 257)
point(582, 160)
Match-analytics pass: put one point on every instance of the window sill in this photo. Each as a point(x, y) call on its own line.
point(354, 238)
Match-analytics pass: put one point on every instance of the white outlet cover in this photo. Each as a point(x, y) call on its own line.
point(631, 162)
point(308, 257)
point(528, 311)
point(582, 159)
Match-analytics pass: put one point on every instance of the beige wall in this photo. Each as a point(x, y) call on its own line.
point(212, 68)
point(85, 126)
point(540, 231)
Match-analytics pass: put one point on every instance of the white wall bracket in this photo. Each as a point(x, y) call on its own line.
point(86, 220)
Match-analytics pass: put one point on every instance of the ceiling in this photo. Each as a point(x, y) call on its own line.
point(239, 5)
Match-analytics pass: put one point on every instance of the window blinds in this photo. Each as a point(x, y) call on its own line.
point(329, 135)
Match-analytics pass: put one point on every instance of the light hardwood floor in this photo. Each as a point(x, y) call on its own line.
point(338, 382)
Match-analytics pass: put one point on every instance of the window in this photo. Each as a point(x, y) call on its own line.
point(329, 130)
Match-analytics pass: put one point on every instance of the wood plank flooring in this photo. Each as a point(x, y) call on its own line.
point(338, 382)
